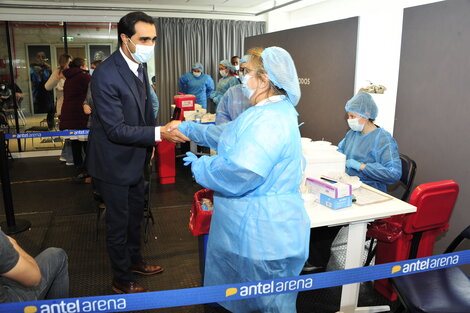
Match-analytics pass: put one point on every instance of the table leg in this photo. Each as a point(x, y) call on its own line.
point(355, 248)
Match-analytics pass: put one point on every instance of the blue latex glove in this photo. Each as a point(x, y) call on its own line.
point(351, 163)
point(190, 158)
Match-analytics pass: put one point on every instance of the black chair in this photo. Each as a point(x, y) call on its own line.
point(441, 291)
point(408, 172)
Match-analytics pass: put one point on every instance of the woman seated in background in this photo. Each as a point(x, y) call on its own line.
point(372, 155)
point(371, 152)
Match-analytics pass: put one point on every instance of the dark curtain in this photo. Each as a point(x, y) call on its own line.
point(183, 41)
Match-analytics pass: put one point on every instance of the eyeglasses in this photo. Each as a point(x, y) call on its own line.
point(246, 70)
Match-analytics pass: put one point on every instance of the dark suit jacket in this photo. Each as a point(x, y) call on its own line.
point(123, 127)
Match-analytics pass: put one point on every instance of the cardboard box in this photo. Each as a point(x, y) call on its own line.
point(332, 194)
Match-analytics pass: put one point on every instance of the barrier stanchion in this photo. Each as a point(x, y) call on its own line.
point(12, 225)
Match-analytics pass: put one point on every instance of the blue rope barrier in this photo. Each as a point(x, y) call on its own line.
point(201, 295)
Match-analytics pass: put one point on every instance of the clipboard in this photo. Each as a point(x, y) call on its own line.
point(366, 196)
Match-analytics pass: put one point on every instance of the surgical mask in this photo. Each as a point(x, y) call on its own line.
point(197, 74)
point(91, 71)
point(247, 92)
point(143, 53)
point(237, 67)
point(2, 87)
point(355, 125)
point(223, 73)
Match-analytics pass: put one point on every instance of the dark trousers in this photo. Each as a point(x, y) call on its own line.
point(321, 239)
point(124, 212)
point(78, 147)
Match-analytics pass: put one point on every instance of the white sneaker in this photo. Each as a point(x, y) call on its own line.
point(62, 159)
point(69, 163)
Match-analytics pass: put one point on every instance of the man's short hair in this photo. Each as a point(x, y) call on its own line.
point(127, 23)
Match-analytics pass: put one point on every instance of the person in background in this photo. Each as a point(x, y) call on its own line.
point(72, 115)
point(121, 142)
point(197, 83)
point(154, 84)
point(57, 81)
point(24, 278)
point(371, 152)
point(372, 155)
point(228, 80)
point(235, 61)
point(259, 228)
point(43, 100)
point(234, 101)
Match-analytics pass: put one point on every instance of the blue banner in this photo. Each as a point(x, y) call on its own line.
point(63, 133)
point(201, 295)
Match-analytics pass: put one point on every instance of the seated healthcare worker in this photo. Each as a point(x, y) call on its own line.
point(371, 152)
point(372, 155)
point(234, 101)
point(259, 228)
point(197, 83)
point(226, 70)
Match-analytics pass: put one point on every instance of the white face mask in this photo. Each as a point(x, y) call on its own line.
point(91, 71)
point(223, 73)
point(355, 125)
point(237, 67)
point(197, 74)
point(247, 92)
point(143, 53)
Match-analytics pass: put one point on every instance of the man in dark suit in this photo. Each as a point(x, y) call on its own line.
point(121, 142)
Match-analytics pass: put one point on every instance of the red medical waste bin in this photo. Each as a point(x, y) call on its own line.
point(165, 159)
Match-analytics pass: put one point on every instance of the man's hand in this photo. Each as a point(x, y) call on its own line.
point(86, 109)
point(171, 133)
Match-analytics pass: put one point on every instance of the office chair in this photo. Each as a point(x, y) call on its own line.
point(408, 172)
point(444, 290)
point(412, 235)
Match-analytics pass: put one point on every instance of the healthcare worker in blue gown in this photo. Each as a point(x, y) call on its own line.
point(234, 101)
point(197, 83)
point(371, 152)
point(227, 72)
point(259, 228)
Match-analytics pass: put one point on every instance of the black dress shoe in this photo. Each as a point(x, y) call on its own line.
point(127, 287)
point(143, 268)
point(309, 268)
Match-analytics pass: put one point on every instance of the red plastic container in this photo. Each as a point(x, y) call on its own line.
point(200, 220)
point(165, 160)
point(185, 102)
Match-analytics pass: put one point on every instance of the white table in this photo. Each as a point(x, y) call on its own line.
point(357, 217)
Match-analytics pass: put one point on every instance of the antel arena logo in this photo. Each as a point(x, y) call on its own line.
point(426, 264)
point(79, 306)
point(271, 287)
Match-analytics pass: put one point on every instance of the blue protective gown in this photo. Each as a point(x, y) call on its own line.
point(222, 86)
point(232, 104)
point(201, 87)
point(379, 151)
point(259, 229)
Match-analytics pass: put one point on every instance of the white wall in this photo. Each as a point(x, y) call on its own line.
point(379, 41)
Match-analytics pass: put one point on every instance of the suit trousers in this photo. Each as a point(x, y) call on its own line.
point(124, 213)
